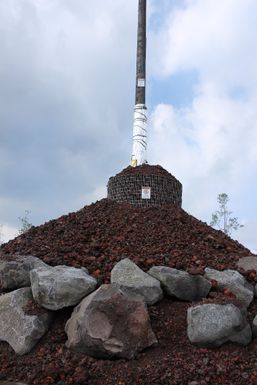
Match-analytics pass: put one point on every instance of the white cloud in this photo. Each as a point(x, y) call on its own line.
point(216, 38)
point(66, 84)
point(7, 233)
point(248, 234)
point(210, 145)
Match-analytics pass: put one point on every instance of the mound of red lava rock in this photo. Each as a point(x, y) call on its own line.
point(96, 237)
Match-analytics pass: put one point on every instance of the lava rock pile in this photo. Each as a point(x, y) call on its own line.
point(97, 237)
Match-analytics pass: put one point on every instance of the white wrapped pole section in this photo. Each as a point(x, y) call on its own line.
point(139, 135)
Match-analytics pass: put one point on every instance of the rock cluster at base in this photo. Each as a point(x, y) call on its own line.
point(113, 320)
point(23, 315)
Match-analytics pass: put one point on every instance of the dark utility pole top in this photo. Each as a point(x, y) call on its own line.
point(141, 52)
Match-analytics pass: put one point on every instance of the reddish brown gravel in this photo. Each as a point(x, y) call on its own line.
point(145, 169)
point(97, 237)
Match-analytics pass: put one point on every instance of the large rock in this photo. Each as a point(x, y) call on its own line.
point(15, 273)
point(22, 331)
point(110, 323)
point(247, 263)
point(61, 286)
point(181, 284)
point(234, 281)
point(129, 276)
point(211, 325)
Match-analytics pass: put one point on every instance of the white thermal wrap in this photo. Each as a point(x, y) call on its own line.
point(139, 135)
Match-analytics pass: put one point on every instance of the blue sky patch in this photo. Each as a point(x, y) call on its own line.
point(178, 89)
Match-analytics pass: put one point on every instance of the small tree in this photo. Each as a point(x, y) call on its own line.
point(222, 218)
point(25, 224)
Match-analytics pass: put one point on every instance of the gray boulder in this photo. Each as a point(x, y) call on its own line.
point(234, 281)
point(247, 263)
point(15, 273)
point(181, 284)
point(61, 286)
point(20, 330)
point(110, 323)
point(130, 277)
point(211, 325)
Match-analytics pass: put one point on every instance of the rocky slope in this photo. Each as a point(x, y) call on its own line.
point(96, 237)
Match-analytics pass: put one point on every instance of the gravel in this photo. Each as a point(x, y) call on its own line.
point(97, 237)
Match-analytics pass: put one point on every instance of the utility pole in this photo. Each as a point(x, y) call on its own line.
point(140, 110)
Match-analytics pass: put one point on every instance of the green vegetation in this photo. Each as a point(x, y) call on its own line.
point(222, 219)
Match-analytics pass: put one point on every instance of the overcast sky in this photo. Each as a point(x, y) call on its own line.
point(67, 76)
